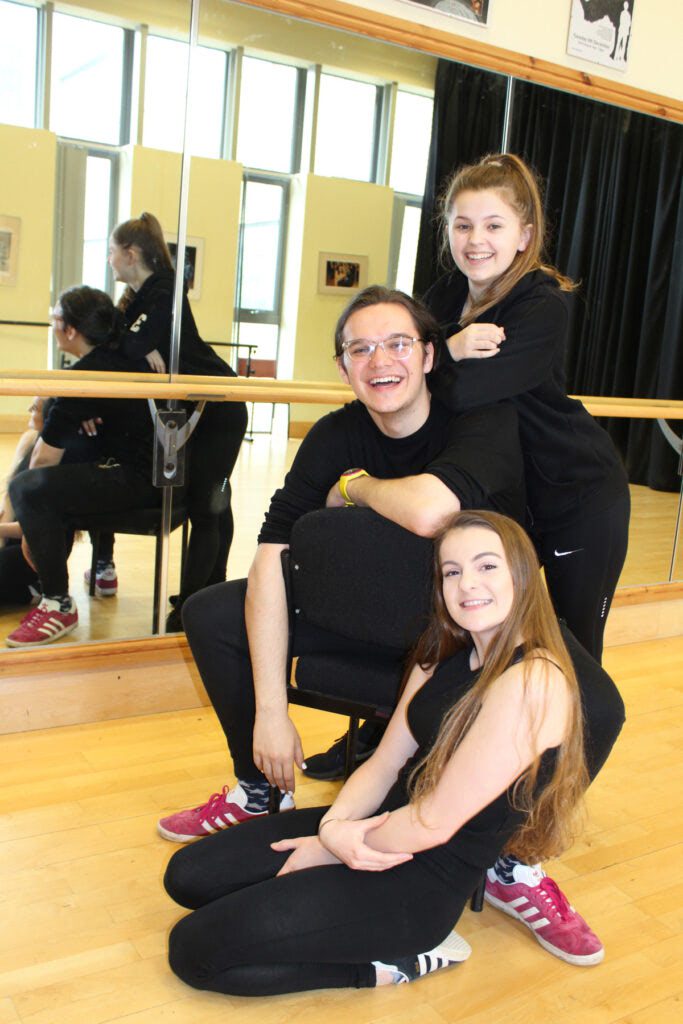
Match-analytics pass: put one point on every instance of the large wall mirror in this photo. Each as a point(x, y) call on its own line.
point(304, 140)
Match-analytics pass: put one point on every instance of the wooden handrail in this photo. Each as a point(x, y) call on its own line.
point(85, 384)
point(437, 42)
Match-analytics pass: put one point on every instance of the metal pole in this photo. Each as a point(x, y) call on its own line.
point(507, 116)
point(178, 294)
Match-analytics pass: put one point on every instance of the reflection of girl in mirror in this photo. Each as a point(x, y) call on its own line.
point(505, 313)
point(18, 581)
point(52, 492)
point(139, 258)
point(483, 752)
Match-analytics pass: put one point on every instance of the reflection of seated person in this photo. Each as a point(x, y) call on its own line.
point(51, 493)
point(139, 258)
point(19, 582)
point(484, 753)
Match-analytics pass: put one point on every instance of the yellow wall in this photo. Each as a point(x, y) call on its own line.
point(213, 216)
point(27, 190)
point(350, 217)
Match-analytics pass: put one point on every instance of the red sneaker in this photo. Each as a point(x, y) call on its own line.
point(45, 624)
point(106, 580)
point(220, 811)
point(545, 910)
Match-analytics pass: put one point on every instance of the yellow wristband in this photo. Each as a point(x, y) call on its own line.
point(345, 479)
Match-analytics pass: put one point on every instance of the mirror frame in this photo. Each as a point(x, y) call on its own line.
point(439, 43)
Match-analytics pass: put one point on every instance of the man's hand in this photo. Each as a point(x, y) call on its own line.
point(476, 341)
point(308, 852)
point(277, 748)
point(155, 360)
point(26, 552)
point(346, 840)
point(335, 499)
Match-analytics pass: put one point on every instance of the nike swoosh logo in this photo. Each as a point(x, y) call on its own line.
point(561, 554)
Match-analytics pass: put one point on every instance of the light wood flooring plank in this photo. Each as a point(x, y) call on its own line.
point(85, 917)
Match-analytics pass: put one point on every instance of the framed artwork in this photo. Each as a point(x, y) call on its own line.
point(476, 11)
point(194, 262)
point(339, 273)
point(10, 234)
point(600, 31)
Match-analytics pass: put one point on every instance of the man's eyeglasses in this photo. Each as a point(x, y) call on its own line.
point(55, 316)
point(397, 346)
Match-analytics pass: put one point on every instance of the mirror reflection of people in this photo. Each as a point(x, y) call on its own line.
point(51, 493)
point(505, 313)
point(483, 752)
point(139, 258)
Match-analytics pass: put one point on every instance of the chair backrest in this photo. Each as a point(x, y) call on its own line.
point(361, 576)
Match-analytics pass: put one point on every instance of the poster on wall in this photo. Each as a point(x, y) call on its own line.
point(10, 230)
point(476, 11)
point(600, 31)
point(339, 273)
point(194, 262)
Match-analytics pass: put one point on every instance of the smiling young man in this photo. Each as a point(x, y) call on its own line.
point(394, 449)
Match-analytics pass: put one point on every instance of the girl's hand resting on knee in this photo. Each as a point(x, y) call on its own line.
point(476, 341)
point(307, 852)
point(346, 840)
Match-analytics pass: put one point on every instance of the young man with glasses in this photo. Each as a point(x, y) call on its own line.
point(395, 450)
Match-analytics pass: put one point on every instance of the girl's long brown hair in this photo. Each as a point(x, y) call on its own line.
point(146, 234)
point(506, 173)
point(550, 813)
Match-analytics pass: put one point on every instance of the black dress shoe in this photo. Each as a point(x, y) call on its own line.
point(332, 763)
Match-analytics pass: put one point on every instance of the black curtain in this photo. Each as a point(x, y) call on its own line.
point(467, 122)
point(614, 200)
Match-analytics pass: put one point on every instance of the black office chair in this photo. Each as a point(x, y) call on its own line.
point(360, 576)
point(145, 522)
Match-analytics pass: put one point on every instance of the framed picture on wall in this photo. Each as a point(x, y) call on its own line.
point(339, 273)
point(600, 31)
point(476, 11)
point(194, 262)
point(10, 232)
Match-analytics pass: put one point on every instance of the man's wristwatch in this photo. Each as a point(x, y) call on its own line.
point(345, 479)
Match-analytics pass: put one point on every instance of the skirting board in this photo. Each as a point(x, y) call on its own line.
point(65, 685)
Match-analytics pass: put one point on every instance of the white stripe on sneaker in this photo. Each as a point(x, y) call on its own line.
point(541, 923)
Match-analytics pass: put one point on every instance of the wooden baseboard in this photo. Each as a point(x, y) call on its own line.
point(70, 685)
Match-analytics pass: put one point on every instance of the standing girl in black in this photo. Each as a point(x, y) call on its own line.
point(505, 314)
point(483, 751)
point(139, 257)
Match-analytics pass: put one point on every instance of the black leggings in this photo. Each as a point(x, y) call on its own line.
point(215, 446)
point(254, 934)
point(46, 500)
point(582, 563)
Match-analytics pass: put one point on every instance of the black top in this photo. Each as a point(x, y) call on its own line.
point(480, 840)
point(477, 455)
point(148, 320)
point(570, 462)
point(125, 434)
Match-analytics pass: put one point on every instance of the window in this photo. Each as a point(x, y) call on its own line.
point(165, 92)
point(412, 136)
point(266, 137)
point(407, 253)
point(261, 250)
point(86, 79)
point(346, 142)
point(97, 219)
point(18, 52)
